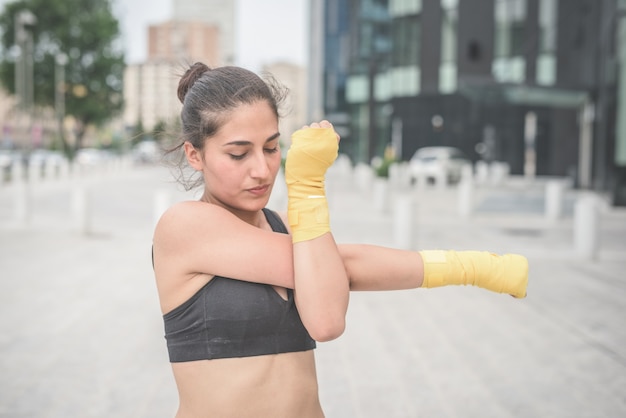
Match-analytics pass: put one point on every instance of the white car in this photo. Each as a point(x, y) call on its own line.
point(432, 163)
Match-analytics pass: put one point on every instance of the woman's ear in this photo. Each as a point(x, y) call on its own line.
point(194, 156)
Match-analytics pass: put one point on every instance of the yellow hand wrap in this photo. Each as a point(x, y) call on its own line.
point(498, 273)
point(312, 151)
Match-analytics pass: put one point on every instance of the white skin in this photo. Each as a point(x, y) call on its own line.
point(239, 165)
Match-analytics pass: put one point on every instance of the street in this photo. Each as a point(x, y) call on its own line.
point(82, 334)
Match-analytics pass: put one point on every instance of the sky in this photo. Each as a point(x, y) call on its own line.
point(267, 30)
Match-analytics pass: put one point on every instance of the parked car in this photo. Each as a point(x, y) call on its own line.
point(8, 157)
point(92, 156)
point(146, 152)
point(41, 157)
point(432, 162)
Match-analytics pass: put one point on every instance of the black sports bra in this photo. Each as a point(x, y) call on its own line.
point(232, 318)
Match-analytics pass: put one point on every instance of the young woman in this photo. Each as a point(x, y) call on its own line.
point(244, 296)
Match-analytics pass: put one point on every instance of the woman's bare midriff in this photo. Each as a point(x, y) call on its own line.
point(277, 385)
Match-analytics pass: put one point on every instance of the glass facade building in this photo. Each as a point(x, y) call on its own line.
point(474, 74)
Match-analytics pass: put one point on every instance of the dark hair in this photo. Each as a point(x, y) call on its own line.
point(209, 95)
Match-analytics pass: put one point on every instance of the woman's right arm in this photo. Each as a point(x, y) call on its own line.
point(193, 238)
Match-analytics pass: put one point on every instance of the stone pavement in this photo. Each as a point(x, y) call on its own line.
point(81, 333)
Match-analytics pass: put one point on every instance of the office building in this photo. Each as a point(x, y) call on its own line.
point(533, 83)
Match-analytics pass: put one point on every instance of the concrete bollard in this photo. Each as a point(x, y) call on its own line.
point(395, 176)
point(499, 171)
point(482, 172)
point(17, 172)
point(364, 177)
point(23, 201)
point(467, 173)
point(554, 199)
point(586, 223)
point(466, 190)
point(162, 201)
point(51, 169)
point(399, 176)
point(81, 205)
point(404, 222)
point(64, 168)
point(34, 172)
point(380, 194)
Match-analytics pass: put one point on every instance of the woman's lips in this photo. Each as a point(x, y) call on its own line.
point(259, 190)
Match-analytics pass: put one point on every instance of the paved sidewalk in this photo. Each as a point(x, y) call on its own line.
point(81, 332)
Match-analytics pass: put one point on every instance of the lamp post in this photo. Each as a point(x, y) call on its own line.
point(59, 91)
point(24, 64)
point(24, 90)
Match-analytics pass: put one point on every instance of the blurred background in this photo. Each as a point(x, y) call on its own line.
point(533, 84)
point(493, 125)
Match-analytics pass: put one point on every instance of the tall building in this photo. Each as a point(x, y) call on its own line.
point(185, 42)
point(518, 81)
point(150, 87)
point(150, 94)
point(294, 110)
point(219, 13)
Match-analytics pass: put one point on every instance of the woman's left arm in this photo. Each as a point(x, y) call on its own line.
point(371, 267)
point(321, 285)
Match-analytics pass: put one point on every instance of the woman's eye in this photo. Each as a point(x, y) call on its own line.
point(238, 156)
point(271, 150)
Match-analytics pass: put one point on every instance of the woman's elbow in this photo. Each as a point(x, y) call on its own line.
point(328, 331)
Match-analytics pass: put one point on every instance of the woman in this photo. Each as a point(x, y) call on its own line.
point(245, 297)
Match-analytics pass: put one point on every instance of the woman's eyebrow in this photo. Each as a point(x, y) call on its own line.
point(242, 142)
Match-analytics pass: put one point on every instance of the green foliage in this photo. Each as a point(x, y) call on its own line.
point(382, 166)
point(382, 170)
point(88, 33)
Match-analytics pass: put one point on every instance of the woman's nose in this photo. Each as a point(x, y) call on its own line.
point(260, 167)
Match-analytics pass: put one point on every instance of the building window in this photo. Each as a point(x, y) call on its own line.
point(509, 62)
point(448, 65)
point(546, 60)
point(404, 7)
point(406, 41)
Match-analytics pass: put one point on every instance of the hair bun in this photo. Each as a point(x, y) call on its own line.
point(189, 78)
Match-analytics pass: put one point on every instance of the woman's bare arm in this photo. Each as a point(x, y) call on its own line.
point(371, 267)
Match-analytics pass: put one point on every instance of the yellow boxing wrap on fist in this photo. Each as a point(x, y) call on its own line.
point(312, 151)
point(499, 273)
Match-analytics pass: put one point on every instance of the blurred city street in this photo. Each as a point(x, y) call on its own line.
point(82, 334)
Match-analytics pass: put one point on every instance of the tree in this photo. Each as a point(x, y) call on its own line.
point(88, 34)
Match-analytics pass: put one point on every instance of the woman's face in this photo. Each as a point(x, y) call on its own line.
point(239, 164)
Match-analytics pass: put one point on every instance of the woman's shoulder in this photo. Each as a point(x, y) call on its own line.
point(186, 216)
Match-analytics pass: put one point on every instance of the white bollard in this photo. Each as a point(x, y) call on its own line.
point(380, 194)
point(364, 177)
point(482, 172)
point(467, 173)
point(34, 172)
point(64, 168)
point(23, 201)
point(81, 204)
point(162, 201)
point(51, 169)
point(404, 222)
point(395, 176)
point(17, 172)
point(554, 199)
point(466, 189)
point(586, 223)
point(499, 172)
